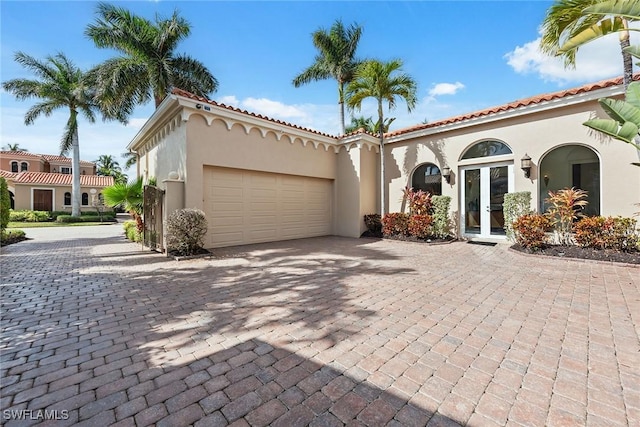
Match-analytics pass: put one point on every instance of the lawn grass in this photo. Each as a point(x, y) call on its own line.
point(54, 224)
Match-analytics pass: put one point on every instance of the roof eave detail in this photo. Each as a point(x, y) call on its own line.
point(566, 101)
point(166, 106)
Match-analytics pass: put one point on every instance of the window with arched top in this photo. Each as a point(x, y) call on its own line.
point(85, 199)
point(427, 177)
point(486, 149)
point(14, 167)
point(24, 166)
point(67, 199)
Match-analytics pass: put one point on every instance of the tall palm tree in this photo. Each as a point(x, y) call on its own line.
point(59, 85)
point(566, 19)
point(131, 159)
point(149, 66)
point(368, 125)
point(383, 81)
point(336, 59)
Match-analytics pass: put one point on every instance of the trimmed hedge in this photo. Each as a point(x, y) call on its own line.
point(105, 215)
point(28, 216)
point(83, 218)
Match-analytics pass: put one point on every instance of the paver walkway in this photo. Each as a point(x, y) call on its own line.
point(321, 332)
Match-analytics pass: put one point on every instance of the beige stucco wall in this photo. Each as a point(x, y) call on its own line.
point(169, 155)
point(23, 196)
point(216, 145)
point(534, 134)
point(33, 165)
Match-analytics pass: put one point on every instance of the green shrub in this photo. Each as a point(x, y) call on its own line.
point(131, 231)
point(8, 237)
point(529, 230)
point(420, 226)
point(28, 216)
point(395, 224)
point(82, 218)
point(373, 223)
point(105, 215)
point(607, 233)
point(186, 229)
point(515, 205)
point(441, 220)
point(5, 204)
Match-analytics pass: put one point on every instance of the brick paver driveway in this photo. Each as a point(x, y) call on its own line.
point(326, 331)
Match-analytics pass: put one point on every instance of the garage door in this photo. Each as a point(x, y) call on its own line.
point(246, 207)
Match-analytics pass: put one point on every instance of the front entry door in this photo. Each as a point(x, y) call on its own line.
point(483, 190)
point(42, 200)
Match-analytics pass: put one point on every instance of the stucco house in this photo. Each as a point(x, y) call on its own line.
point(259, 179)
point(43, 182)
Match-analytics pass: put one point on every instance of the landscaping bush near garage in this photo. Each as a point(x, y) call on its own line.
point(186, 229)
point(561, 232)
point(131, 231)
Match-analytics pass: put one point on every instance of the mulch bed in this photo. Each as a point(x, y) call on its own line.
point(12, 240)
point(584, 253)
point(408, 238)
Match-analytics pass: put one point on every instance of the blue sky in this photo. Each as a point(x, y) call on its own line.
point(465, 56)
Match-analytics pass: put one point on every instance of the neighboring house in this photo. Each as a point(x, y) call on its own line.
point(259, 179)
point(43, 182)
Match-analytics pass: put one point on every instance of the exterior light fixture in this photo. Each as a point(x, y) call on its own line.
point(525, 165)
point(446, 173)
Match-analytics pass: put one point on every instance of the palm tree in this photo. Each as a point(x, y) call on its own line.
point(60, 84)
point(368, 125)
point(106, 165)
point(14, 147)
point(129, 196)
point(336, 59)
point(376, 79)
point(149, 66)
point(131, 159)
point(566, 19)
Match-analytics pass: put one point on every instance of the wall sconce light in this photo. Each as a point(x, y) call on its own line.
point(446, 174)
point(525, 165)
point(546, 180)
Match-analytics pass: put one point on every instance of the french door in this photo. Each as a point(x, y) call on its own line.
point(482, 194)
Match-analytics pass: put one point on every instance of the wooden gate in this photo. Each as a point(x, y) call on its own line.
point(152, 214)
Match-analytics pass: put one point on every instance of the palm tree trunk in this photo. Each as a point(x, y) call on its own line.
point(75, 174)
point(626, 60)
point(383, 201)
point(341, 102)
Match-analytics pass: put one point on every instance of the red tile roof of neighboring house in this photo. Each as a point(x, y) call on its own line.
point(190, 95)
point(62, 179)
point(20, 154)
point(63, 159)
point(8, 175)
point(516, 104)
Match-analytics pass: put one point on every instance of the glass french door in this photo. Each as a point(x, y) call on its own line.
point(483, 189)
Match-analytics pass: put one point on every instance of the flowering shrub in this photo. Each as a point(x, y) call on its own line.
point(420, 226)
point(529, 230)
point(419, 201)
point(186, 229)
point(566, 205)
point(441, 221)
point(607, 233)
point(395, 223)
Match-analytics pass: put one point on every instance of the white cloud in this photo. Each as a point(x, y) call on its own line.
point(597, 60)
point(445, 89)
point(273, 108)
point(228, 100)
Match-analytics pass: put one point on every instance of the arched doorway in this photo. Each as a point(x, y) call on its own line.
point(571, 166)
point(428, 178)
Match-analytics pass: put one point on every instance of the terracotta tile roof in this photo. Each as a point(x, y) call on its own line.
point(190, 95)
point(63, 159)
point(62, 179)
point(20, 154)
point(516, 104)
point(8, 175)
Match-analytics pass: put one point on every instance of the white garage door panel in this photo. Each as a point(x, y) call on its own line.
point(246, 207)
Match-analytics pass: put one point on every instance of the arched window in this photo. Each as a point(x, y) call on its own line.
point(85, 199)
point(67, 199)
point(486, 149)
point(427, 177)
point(14, 167)
point(24, 166)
